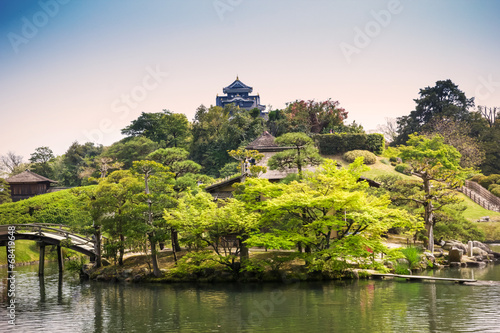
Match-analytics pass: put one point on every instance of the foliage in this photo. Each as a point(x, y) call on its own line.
point(62, 207)
point(457, 134)
point(332, 144)
point(328, 211)
point(4, 191)
point(166, 128)
point(218, 130)
point(413, 255)
point(438, 166)
point(229, 169)
point(314, 117)
point(368, 157)
point(303, 153)
point(248, 161)
point(487, 181)
point(40, 161)
point(77, 158)
point(444, 100)
point(453, 225)
point(11, 163)
point(129, 150)
point(403, 168)
point(199, 219)
point(495, 189)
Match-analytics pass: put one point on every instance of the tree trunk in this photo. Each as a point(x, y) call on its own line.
point(244, 253)
point(97, 247)
point(175, 240)
point(121, 250)
point(154, 257)
point(429, 216)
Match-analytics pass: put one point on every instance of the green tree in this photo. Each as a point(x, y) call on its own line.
point(301, 154)
point(328, 212)
point(207, 223)
point(166, 128)
point(40, 161)
point(157, 197)
point(248, 161)
point(444, 100)
point(218, 130)
point(128, 150)
point(438, 166)
point(4, 191)
point(75, 160)
point(115, 198)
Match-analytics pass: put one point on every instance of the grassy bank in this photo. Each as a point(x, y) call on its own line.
point(27, 251)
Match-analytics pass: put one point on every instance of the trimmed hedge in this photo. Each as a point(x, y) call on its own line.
point(333, 144)
point(369, 157)
point(403, 168)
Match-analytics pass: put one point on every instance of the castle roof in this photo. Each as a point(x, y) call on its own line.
point(237, 87)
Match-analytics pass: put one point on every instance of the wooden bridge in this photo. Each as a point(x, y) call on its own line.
point(49, 234)
point(421, 278)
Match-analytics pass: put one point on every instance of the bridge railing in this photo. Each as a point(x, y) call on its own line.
point(57, 229)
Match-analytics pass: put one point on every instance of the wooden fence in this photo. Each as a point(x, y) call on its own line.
point(481, 196)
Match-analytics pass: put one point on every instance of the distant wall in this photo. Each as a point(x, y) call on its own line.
point(332, 144)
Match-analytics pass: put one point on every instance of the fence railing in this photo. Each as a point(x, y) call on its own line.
point(481, 196)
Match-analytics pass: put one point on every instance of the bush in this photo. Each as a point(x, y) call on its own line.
point(495, 189)
point(477, 178)
point(490, 180)
point(393, 159)
point(369, 158)
point(412, 254)
point(403, 168)
point(332, 144)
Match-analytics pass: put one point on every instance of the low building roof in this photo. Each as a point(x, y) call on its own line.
point(28, 177)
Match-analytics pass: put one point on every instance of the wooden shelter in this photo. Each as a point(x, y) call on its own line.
point(28, 184)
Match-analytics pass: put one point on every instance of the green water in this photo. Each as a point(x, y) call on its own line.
point(52, 305)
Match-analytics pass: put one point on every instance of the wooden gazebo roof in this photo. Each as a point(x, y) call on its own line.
point(28, 177)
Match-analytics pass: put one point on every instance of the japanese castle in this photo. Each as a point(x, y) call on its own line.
point(238, 93)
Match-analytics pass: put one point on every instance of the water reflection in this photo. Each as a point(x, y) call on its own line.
point(51, 304)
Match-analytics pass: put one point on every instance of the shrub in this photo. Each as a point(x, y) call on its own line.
point(332, 144)
point(477, 178)
point(393, 159)
point(490, 180)
point(369, 158)
point(412, 254)
point(403, 168)
point(495, 189)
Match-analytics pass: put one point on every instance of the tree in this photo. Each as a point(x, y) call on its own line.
point(314, 117)
point(40, 161)
point(128, 150)
point(248, 162)
point(489, 113)
point(218, 130)
point(77, 158)
point(303, 153)
point(459, 135)
point(165, 128)
point(115, 199)
point(201, 220)
point(4, 191)
point(389, 129)
point(443, 100)
point(157, 197)
point(329, 212)
point(438, 166)
point(11, 163)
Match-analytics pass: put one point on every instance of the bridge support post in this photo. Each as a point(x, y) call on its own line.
point(41, 261)
point(60, 260)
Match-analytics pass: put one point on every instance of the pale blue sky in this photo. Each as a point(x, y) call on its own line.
point(67, 67)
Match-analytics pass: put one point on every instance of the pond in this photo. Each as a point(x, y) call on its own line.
point(68, 305)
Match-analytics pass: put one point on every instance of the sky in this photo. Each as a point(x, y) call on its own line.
point(75, 70)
